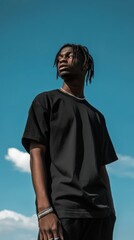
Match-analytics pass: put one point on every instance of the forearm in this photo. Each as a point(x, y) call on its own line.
point(50, 221)
point(39, 175)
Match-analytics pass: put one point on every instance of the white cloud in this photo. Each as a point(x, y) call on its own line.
point(12, 220)
point(20, 159)
point(124, 167)
point(17, 226)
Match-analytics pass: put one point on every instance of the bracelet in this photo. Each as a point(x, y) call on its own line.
point(44, 212)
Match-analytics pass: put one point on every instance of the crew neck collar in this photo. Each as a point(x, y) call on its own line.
point(71, 95)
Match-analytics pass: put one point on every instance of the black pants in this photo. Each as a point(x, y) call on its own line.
point(88, 229)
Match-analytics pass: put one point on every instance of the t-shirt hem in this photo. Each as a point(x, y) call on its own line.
point(82, 214)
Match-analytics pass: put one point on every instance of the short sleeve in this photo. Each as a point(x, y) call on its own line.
point(108, 151)
point(37, 125)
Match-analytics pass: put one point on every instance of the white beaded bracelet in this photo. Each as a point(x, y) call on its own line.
point(44, 212)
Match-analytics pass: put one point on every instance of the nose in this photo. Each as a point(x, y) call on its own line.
point(63, 59)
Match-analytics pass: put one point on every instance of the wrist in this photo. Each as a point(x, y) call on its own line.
point(44, 212)
point(42, 204)
point(41, 208)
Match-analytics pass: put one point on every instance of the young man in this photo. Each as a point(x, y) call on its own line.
point(69, 146)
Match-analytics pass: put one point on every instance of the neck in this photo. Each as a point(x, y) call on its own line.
point(76, 90)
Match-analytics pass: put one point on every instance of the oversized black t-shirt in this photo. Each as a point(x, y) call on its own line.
point(78, 144)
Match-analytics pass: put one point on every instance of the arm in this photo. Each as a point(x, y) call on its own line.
point(39, 175)
point(49, 225)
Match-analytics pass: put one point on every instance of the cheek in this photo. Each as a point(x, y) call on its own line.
point(70, 61)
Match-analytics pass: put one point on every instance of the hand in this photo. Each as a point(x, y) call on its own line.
point(50, 228)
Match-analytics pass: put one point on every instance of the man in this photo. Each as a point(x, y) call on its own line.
point(69, 146)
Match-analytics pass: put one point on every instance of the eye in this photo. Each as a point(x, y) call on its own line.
point(59, 57)
point(70, 55)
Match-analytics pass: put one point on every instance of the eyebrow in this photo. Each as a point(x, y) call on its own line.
point(65, 53)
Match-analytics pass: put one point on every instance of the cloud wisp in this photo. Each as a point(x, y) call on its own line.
point(124, 167)
point(17, 226)
point(21, 160)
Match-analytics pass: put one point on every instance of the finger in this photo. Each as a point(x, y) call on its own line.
point(49, 235)
point(40, 236)
point(57, 233)
point(51, 238)
point(44, 235)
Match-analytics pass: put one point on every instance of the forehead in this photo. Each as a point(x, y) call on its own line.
point(66, 50)
point(69, 49)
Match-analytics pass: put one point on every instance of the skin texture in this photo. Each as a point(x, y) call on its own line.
point(73, 73)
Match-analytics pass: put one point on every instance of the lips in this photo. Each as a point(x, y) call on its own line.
point(62, 67)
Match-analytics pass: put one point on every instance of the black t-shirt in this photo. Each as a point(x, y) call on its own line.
point(78, 145)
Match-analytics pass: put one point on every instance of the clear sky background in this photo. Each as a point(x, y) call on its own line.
point(31, 32)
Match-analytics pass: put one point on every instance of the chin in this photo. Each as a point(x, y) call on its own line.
point(65, 75)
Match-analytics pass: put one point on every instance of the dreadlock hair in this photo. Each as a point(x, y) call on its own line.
point(88, 60)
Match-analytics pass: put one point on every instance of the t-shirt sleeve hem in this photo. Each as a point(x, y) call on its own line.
point(26, 139)
point(110, 160)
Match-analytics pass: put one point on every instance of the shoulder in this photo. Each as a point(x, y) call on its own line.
point(45, 98)
point(46, 94)
point(98, 114)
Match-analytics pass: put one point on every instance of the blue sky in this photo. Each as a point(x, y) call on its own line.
point(31, 34)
